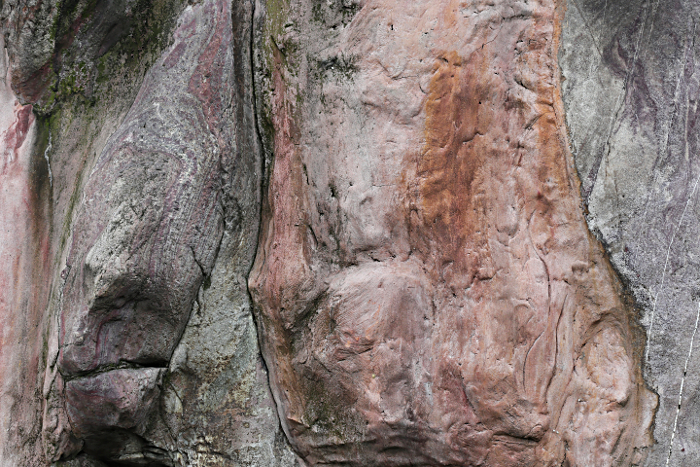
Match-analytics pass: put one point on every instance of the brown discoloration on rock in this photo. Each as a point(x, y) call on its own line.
point(449, 173)
point(481, 323)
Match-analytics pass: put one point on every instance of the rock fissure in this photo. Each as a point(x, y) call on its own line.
point(680, 391)
point(659, 292)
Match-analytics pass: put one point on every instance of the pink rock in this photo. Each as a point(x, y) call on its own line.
point(23, 257)
point(427, 287)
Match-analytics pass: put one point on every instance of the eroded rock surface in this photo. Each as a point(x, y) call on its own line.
point(146, 352)
point(631, 93)
point(426, 284)
point(398, 176)
point(23, 256)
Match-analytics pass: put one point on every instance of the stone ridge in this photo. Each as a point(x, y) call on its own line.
point(426, 285)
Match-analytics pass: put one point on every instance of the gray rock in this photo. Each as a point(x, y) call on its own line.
point(631, 89)
point(136, 336)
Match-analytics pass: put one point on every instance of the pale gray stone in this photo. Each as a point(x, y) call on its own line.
point(631, 90)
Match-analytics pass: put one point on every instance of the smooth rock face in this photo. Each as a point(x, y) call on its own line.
point(631, 95)
point(427, 287)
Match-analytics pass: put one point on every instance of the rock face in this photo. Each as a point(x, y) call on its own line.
point(426, 284)
point(293, 232)
point(24, 184)
point(631, 95)
point(143, 349)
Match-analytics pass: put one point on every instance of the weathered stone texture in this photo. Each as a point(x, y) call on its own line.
point(146, 118)
point(631, 93)
point(24, 248)
point(426, 284)
point(376, 202)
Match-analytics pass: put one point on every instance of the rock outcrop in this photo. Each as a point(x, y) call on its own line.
point(354, 232)
point(631, 95)
point(142, 349)
point(427, 288)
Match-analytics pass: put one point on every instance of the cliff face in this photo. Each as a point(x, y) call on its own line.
point(142, 349)
point(631, 94)
point(426, 284)
point(301, 232)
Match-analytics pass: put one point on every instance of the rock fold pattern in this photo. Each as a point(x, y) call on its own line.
point(298, 232)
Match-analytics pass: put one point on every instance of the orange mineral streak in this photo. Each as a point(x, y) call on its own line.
point(450, 171)
point(496, 218)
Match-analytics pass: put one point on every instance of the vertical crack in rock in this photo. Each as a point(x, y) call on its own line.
point(660, 291)
point(261, 195)
point(662, 153)
point(222, 409)
point(48, 161)
point(588, 28)
point(643, 205)
point(680, 392)
point(619, 103)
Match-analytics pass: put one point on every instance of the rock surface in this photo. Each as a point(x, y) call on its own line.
point(23, 256)
point(631, 93)
point(302, 232)
point(147, 352)
point(427, 286)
